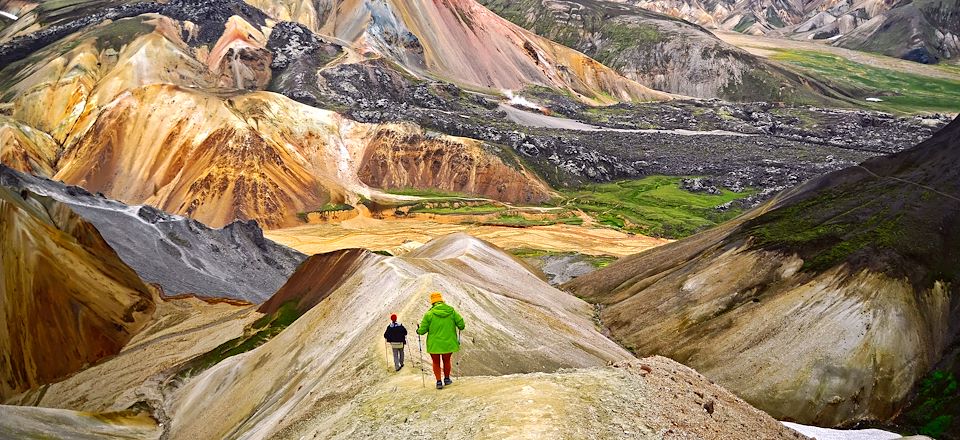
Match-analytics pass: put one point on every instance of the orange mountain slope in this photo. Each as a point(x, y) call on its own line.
point(66, 299)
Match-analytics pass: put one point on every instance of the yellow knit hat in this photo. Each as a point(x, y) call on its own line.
point(435, 297)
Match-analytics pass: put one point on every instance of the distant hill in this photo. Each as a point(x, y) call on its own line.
point(662, 52)
point(926, 31)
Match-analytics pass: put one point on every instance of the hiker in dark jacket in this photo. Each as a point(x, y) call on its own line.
point(440, 324)
point(396, 335)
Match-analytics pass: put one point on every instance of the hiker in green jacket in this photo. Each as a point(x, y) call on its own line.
point(440, 324)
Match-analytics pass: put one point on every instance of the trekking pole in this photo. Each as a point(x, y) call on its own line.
point(387, 346)
point(458, 357)
point(423, 380)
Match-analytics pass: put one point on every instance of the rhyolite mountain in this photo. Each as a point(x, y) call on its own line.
point(180, 255)
point(926, 31)
point(462, 42)
point(238, 153)
point(828, 305)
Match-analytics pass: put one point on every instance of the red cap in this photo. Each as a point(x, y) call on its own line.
point(393, 318)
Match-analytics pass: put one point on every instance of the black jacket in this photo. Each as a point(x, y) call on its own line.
point(396, 333)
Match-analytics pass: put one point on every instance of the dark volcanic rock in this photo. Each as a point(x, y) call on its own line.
point(698, 184)
point(785, 146)
point(290, 42)
point(298, 54)
point(179, 254)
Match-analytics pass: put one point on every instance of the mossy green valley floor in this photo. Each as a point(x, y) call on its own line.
point(901, 92)
point(655, 205)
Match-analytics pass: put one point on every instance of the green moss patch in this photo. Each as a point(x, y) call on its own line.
point(521, 221)
point(454, 208)
point(936, 408)
point(255, 335)
point(655, 206)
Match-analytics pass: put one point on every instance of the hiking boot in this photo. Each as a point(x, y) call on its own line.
point(447, 381)
point(439, 385)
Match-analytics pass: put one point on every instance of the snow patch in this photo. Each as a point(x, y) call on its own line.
point(841, 434)
point(874, 100)
point(9, 15)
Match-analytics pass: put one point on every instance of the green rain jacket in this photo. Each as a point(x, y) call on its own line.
point(440, 324)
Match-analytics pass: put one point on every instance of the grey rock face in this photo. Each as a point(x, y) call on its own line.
point(183, 256)
point(292, 41)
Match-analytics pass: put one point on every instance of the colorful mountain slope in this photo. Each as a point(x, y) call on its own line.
point(142, 126)
point(827, 306)
point(462, 42)
point(66, 299)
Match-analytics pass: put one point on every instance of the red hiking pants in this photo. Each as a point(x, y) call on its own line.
point(436, 364)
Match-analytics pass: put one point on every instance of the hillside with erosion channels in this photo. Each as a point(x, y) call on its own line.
point(209, 209)
point(854, 275)
point(66, 298)
point(917, 30)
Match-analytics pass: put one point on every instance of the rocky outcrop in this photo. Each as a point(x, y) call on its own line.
point(180, 255)
point(828, 305)
point(66, 298)
point(290, 42)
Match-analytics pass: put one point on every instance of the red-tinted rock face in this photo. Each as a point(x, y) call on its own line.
point(317, 278)
point(414, 160)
